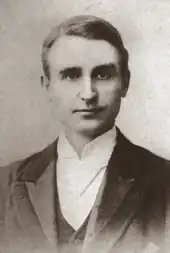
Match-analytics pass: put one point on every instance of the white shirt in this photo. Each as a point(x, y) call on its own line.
point(79, 179)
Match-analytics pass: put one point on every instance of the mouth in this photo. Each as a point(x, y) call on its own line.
point(89, 111)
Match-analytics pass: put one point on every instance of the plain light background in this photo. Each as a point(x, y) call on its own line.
point(27, 121)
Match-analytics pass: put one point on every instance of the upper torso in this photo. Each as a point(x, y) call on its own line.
point(132, 204)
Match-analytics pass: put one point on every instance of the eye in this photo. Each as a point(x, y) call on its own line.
point(103, 76)
point(104, 73)
point(70, 74)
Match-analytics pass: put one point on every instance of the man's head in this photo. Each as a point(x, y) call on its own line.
point(86, 70)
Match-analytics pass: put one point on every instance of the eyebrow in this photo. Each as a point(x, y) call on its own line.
point(107, 66)
point(70, 69)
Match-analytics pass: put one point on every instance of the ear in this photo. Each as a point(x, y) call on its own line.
point(44, 82)
point(126, 81)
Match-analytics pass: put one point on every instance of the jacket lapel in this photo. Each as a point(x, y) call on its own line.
point(23, 219)
point(118, 200)
point(41, 195)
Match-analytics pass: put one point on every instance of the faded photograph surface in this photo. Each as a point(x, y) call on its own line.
point(85, 162)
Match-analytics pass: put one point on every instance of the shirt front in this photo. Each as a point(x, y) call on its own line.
point(79, 179)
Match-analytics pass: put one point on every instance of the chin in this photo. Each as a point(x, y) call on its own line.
point(91, 128)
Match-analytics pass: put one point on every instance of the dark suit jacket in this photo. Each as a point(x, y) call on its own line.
point(131, 212)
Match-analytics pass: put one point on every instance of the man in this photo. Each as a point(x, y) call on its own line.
point(92, 190)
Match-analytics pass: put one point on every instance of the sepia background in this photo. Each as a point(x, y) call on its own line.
point(27, 121)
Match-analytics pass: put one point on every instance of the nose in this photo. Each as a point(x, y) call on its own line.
point(88, 91)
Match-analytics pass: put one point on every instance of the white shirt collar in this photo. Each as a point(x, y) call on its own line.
point(103, 143)
point(78, 180)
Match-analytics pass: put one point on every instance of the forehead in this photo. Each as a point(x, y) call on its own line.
point(71, 51)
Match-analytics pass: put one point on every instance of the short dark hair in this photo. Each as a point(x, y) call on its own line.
point(89, 27)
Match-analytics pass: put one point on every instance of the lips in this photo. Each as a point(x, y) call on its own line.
point(89, 110)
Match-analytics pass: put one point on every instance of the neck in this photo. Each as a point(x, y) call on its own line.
point(80, 140)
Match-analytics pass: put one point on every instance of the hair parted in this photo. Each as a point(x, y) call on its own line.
point(89, 27)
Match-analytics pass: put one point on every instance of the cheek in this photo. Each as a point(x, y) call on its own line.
point(63, 101)
point(62, 93)
point(110, 93)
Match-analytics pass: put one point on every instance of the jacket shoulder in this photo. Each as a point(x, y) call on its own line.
point(145, 160)
point(6, 173)
point(10, 170)
point(31, 167)
point(7, 170)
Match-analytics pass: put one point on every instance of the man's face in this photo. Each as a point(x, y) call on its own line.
point(86, 83)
